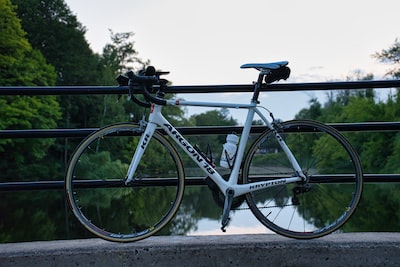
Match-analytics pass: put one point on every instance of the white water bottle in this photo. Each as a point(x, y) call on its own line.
point(229, 151)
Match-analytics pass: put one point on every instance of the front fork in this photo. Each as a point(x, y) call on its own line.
point(144, 141)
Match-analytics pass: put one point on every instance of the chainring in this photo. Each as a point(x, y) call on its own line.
point(219, 197)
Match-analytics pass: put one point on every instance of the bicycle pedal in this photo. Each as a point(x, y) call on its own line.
point(225, 224)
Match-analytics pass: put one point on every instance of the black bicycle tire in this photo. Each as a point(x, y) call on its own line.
point(335, 224)
point(97, 230)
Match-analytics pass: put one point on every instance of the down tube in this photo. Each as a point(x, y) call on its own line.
point(192, 153)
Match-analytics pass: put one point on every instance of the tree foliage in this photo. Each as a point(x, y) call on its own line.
point(13, 45)
point(24, 159)
point(23, 66)
point(211, 144)
point(20, 64)
point(391, 55)
point(378, 151)
point(56, 32)
point(120, 55)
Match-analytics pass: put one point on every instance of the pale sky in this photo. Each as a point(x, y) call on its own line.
point(205, 42)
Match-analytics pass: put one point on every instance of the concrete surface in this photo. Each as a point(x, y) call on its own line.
point(355, 249)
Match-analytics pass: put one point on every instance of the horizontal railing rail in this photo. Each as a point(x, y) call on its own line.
point(89, 90)
point(199, 130)
point(85, 90)
point(189, 181)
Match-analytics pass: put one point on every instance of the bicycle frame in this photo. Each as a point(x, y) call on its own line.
point(157, 119)
point(287, 207)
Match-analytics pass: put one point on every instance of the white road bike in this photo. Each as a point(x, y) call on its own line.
point(300, 178)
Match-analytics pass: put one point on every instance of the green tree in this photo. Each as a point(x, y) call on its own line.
point(212, 118)
point(391, 111)
point(391, 55)
point(210, 144)
point(378, 151)
point(23, 66)
point(120, 56)
point(24, 159)
point(56, 32)
point(13, 45)
point(20, 64)
point(313, 112)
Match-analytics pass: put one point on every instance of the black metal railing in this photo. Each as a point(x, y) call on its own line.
point(86, 90)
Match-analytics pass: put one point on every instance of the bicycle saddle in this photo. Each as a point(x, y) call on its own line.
point(265, 66)
point(276, 70)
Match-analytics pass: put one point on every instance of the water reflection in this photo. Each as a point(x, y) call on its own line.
point(202, 216)
point(242, 222)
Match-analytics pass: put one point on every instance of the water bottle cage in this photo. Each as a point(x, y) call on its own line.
point(208, 159)
point(229, 159)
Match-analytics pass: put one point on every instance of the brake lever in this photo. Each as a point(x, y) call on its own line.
point(122, 80)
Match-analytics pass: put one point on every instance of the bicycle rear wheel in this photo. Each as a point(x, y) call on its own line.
point(310, 209)
point(101, 201)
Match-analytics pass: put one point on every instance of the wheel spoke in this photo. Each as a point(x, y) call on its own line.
point(107, 207)
point(304, 210)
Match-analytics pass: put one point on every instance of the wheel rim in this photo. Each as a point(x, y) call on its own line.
point(334, 175)
point(101, 201)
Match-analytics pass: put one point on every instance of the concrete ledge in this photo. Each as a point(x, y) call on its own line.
point(355, 249)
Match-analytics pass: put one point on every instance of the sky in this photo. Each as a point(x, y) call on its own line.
point(206, 42)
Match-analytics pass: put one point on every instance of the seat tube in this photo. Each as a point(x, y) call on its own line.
point(242, 146)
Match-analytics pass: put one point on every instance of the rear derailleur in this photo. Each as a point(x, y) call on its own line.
point(300, 189)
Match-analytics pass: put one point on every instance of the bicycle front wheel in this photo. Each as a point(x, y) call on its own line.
point(101, 201)
point(318, 206)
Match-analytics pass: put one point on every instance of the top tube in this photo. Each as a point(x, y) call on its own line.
point(178, 102)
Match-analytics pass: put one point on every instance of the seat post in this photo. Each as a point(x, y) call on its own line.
point(258, 85)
